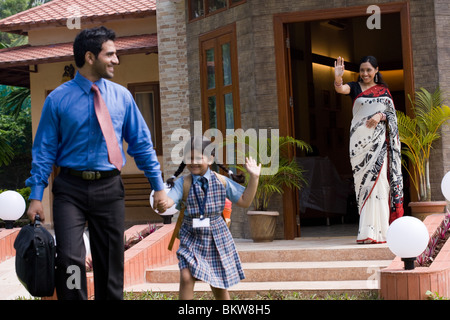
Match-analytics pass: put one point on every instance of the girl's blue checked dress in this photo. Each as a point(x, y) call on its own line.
point(208, 252)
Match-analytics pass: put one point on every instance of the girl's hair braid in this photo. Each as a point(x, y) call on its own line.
point(239, 178)
point(171, 181)
point(204, 143)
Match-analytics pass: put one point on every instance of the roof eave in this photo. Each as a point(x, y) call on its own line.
point(23, 28)
point(147, 49)
point(23, 63)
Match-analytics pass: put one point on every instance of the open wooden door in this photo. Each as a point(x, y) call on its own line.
point(286, 122)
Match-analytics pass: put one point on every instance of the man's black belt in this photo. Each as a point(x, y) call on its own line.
point(91, 174)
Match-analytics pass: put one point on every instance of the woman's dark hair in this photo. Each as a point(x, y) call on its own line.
point(90, 40)
point(201, 145)
point(373, 61)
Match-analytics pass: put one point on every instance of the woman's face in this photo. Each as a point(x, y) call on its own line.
point(367, 72)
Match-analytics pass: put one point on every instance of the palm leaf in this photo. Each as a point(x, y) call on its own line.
point(6, 151)
point(13, 102)
point(286, 174)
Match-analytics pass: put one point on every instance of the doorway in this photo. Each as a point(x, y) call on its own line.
point(311, 110)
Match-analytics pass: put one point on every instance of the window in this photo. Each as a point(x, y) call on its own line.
point(146, 96)
point(219, 80)
point(201, 8)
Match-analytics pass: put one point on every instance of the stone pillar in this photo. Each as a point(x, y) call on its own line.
point(442, 23)
point(173, 75)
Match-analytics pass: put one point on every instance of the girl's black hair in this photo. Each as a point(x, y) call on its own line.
point(239, 178)
point(373, 61)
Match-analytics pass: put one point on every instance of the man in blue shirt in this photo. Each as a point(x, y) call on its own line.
point(89, 187)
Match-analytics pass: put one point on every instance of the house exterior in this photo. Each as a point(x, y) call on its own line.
point(249, 64)
point(270, 65)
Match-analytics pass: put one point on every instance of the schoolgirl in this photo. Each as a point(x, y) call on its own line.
point(207, 251)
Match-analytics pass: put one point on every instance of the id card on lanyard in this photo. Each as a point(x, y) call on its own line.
point(202, 222)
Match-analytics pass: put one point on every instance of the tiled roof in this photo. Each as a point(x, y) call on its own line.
point(56, 13)
point(30, 55)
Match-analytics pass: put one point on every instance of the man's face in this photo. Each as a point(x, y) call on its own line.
point(104, 64)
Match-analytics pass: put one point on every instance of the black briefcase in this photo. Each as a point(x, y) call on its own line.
point(35, 259)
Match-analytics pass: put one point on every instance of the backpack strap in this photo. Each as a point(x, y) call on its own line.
point(186, 186)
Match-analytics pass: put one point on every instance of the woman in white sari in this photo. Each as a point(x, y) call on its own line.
point(374, 150)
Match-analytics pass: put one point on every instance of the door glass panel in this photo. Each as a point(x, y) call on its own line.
point(226, 63)
point(216, 5)
point(146, 104)
point(211, 69)
point(229, 112)
point(196, 8)
point(229, 122)
point(212, 112)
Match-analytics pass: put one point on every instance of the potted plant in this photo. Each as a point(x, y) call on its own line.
point(417, 135)
point(278, 172)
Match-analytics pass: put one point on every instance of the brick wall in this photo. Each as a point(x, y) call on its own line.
point(172, 55)
point(430, 20)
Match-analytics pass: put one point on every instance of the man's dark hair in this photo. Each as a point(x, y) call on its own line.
point(90, 40)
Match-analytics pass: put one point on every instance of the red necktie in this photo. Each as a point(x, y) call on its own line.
point(104, 119)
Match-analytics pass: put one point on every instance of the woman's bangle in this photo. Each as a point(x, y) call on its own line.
point(383, 116)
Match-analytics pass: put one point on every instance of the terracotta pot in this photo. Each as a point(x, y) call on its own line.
point(262, 225)
point(422, 209)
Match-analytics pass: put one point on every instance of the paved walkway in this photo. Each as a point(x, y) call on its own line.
point(10, 286)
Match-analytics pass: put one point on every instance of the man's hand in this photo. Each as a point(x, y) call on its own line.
point(160, 201)
point(34, 209)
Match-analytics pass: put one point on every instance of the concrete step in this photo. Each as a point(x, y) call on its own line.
point(308, 266)
point(317, 254)
point(252, 289)
point(288, 271)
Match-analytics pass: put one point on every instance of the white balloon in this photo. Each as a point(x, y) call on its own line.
point(170, 211)
point(407, 237)
point(12, 205)
point(445, 186)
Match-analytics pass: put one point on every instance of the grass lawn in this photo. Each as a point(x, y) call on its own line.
point(276, 295)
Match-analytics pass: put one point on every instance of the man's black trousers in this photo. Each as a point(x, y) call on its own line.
point(101, 204)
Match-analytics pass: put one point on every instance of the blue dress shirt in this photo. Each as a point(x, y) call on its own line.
point(69, 134)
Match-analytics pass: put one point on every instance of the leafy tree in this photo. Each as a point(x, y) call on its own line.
point(15, 149)
point(15, 118)
point(15, 100)
point(11, 7)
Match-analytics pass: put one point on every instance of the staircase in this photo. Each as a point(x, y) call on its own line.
point(317, 266)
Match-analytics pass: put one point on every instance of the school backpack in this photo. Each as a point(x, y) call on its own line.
point(186, 186)
point(35, 259)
